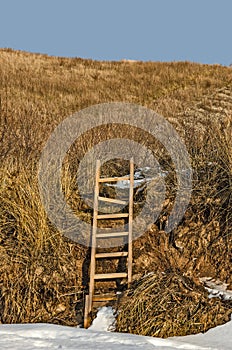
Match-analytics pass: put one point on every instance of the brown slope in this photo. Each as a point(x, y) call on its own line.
point(37, 92)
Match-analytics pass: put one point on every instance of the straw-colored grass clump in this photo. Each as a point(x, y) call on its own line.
point(169, 304)
point(40, 277)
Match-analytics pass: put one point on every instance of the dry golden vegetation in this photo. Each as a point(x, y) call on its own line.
point(167, 304)
point(41, 272)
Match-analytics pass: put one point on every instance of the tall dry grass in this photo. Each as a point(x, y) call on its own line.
point(41, 271)
point(169, 304)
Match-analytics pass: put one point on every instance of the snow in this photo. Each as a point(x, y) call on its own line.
point(142, 176)
point(216, 288)
point(105, 320)
point(219, 338)
point(48, 336)
point(100, 334)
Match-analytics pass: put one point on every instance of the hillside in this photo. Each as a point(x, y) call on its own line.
point(41, 272)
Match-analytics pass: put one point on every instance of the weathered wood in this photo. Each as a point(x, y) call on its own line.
point(94, 230)
point(95, 235)
point(114, 179)
point(130, 238)
point(112, 216)
point(112, 200)
point(105, 297)
point(86, 313)
point(103, 276)
point(111, 234)
point(111, 255)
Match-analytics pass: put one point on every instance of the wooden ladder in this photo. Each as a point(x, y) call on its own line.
point(91, 298)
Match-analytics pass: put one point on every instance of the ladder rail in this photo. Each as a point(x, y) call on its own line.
point(130, 238)
point(94, 231)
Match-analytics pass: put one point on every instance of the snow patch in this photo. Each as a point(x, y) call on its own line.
point(47, 336)
point(216, 288)
point(105, 320)
point(142, 176)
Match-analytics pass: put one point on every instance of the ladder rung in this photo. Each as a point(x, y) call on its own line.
point(111, 234)
point(111, 255)
point(112, 200)
point(112, 216)
point(114, 179)
point(103, 276)
point(104, 297)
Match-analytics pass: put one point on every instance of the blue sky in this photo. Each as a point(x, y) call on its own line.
point(148, 30)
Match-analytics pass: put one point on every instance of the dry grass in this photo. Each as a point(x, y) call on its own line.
point(41, 271)
point(169, 304)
